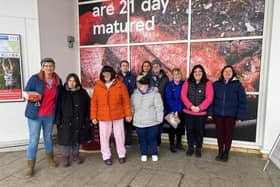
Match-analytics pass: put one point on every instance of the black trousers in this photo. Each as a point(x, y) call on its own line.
point(179, 131)
point(195, 128)
point(128, 132)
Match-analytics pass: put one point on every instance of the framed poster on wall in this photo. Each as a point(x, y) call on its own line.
point(10, 68)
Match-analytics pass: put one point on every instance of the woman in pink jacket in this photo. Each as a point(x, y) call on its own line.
point(197, 94)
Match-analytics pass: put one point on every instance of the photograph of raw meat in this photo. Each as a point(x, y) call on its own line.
point(99, 21)
point(227, 18)
point(170, 55)
point(93, 59)
point(163, 23)
point(244, 55)
point(244, 130)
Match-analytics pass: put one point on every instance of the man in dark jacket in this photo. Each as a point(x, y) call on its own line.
point(159, 79)
point(129, 80)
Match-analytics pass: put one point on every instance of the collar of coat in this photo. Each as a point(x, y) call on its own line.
point(114, 82)
point(41, 76)
point(159, 76)
point(149, 90)
point(72, 89)
point(126, 74)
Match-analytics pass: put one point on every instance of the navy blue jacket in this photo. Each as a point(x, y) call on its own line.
point(229, 99)
point(173, 97)
point(129, 80)
point(36, 84)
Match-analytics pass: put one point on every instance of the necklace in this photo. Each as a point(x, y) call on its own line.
point(49, 84)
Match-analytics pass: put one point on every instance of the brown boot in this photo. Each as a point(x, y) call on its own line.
point(30, 168)
point(52, 163)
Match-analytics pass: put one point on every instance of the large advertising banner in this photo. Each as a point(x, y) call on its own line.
point(180, 34)
point(10, 68)
point(175, 56)
point(93, 59)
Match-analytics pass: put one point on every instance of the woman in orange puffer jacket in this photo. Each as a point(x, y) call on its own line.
point(109, 105)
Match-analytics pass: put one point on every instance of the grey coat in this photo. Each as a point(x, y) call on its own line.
point(147, 108)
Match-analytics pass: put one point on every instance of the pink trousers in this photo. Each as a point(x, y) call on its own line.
point(105, 130)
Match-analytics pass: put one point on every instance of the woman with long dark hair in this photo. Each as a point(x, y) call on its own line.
point(197, 94)
point(72, 119)
point(228, 106)
point(146, 68)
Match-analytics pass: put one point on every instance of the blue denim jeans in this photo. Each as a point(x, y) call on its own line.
point(35, 126)
point(148, 139)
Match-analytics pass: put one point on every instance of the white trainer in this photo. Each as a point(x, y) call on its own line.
point(154, 158)
point(144, 158)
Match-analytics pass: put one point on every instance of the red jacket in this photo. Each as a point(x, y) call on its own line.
point(111, 103)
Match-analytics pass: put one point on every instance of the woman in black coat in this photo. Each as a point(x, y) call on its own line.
point(72, 119)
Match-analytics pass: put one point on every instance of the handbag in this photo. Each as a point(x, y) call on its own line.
point(172, 119)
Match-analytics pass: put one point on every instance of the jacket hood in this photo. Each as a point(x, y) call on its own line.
point(149, 90)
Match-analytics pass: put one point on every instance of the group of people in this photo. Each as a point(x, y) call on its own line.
point(121, 100)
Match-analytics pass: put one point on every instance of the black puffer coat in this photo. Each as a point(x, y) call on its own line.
point(72, 117)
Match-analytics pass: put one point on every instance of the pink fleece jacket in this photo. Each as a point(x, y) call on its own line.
point(209, 95)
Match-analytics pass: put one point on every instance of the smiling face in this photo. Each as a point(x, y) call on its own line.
point(48, 67)
point(227, 74)
point(124, 67)
point(198, 73)
point(156, 69)
point(107, 76)
point(146, 67)
point(177, 76)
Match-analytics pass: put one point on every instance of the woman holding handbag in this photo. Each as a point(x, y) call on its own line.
point(174, 107)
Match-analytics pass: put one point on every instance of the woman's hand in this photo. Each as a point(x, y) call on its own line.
point(94, 121)
point(195, 108)
point(128, 119)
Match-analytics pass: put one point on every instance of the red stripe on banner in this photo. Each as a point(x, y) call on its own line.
point(10, 94)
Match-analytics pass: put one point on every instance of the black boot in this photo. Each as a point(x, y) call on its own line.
point(219, 157)
point(190, 151)
point(225, 156)
point(180, 147)
point(172, 148)
point(198, 152)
